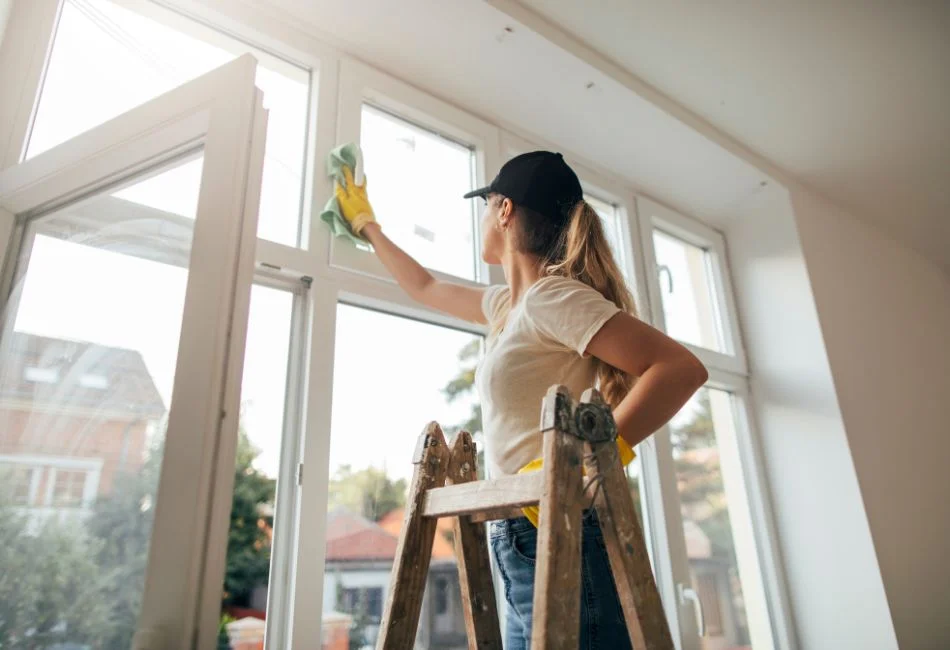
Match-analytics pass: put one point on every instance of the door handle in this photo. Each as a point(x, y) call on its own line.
point(688, 593)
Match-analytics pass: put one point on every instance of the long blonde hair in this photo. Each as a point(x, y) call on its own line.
point(577, 248)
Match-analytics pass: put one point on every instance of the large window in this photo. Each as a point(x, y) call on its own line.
point(107, 59)
point(417, 181)
point(709, 442)
point(392, 376)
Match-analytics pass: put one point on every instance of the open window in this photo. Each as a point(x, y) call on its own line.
point(124, 298)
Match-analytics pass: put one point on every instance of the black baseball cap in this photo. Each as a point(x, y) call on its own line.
point(540, 181)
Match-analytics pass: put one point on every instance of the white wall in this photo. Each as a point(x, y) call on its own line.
point(834, 584)
point(885, 315)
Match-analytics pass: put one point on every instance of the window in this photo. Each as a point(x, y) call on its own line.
point(257, 463)
point(688, 292)
point(708, 448)
point(17, 483)
point(417, 179)
point(99, 382)
point(441, 596)
point(41, 375)
point(99, 301)
point(612, 229)
point(419, 372)
point(107, 59)
point(363, 601)
point(68, 488)
point(717, 522)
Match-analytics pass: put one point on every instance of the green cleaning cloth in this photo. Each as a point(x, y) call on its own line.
point(346, 155)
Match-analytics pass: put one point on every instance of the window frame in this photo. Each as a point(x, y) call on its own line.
point(655, 216)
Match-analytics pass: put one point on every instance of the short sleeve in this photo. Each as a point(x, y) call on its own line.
point(493, 301)
point(568, 312)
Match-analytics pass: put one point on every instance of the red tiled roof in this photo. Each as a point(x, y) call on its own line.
point(351, 537)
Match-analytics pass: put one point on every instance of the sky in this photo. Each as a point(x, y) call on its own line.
point(389, 372)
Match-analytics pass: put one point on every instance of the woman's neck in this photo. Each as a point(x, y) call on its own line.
point(521, 271)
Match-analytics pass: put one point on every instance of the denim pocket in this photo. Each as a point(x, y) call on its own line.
point(524, 545)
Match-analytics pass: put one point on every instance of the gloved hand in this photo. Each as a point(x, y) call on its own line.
point(353, 201)
point(532, 512)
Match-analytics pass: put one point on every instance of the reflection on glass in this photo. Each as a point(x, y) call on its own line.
point(88, 354)
point(690, 305)
point(107, 59)
point(383, 396)
point(723, 561)
point(263, 393)
point(416, 181)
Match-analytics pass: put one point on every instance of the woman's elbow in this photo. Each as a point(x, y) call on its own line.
point(693, 371)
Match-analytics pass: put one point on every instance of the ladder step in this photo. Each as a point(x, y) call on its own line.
point(478, 496)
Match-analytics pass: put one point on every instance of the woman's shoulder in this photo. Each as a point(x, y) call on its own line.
point(555, 287)
point(493, 301)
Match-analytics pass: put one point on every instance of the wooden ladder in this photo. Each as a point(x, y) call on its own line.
point(444, 484)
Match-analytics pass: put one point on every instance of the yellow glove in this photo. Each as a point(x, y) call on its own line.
point(353, 201)
point(531, 512)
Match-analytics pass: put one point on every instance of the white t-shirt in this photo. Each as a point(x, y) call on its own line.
point(543, 343)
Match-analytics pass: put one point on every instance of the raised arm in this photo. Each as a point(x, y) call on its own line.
point(455, 299)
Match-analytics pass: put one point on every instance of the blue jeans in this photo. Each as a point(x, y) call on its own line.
point(514, 543)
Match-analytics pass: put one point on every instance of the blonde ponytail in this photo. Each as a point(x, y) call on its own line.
point(583, 254)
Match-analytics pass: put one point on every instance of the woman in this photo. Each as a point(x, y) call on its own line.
point(564, 317)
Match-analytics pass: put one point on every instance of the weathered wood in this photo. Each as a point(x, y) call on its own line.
point(411, 567)
point(468, 498)
point(493, 514)
point(626, 548)
point(557, 580)
point(474, 565)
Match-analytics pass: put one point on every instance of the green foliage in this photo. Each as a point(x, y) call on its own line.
point(50, 588)
point(369, 492)
point(699, 476)
point(82, 582)
point(464, 384)
point(248, 557)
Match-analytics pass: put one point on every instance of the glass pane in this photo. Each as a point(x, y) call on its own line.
point(609, 219)
point(87, 362)
point(690, 304)
point(723, 560)
point(416, 181)
point(263, 396)
point(107, 59)
point(371, 465)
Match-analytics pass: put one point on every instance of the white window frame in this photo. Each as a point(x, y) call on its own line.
point(729, 373)
point(656, 216)
point(220, 113)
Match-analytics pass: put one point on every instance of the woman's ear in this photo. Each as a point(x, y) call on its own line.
point(507, 210)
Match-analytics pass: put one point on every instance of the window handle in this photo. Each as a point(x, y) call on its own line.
point(688, 593)
point(660, 270)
